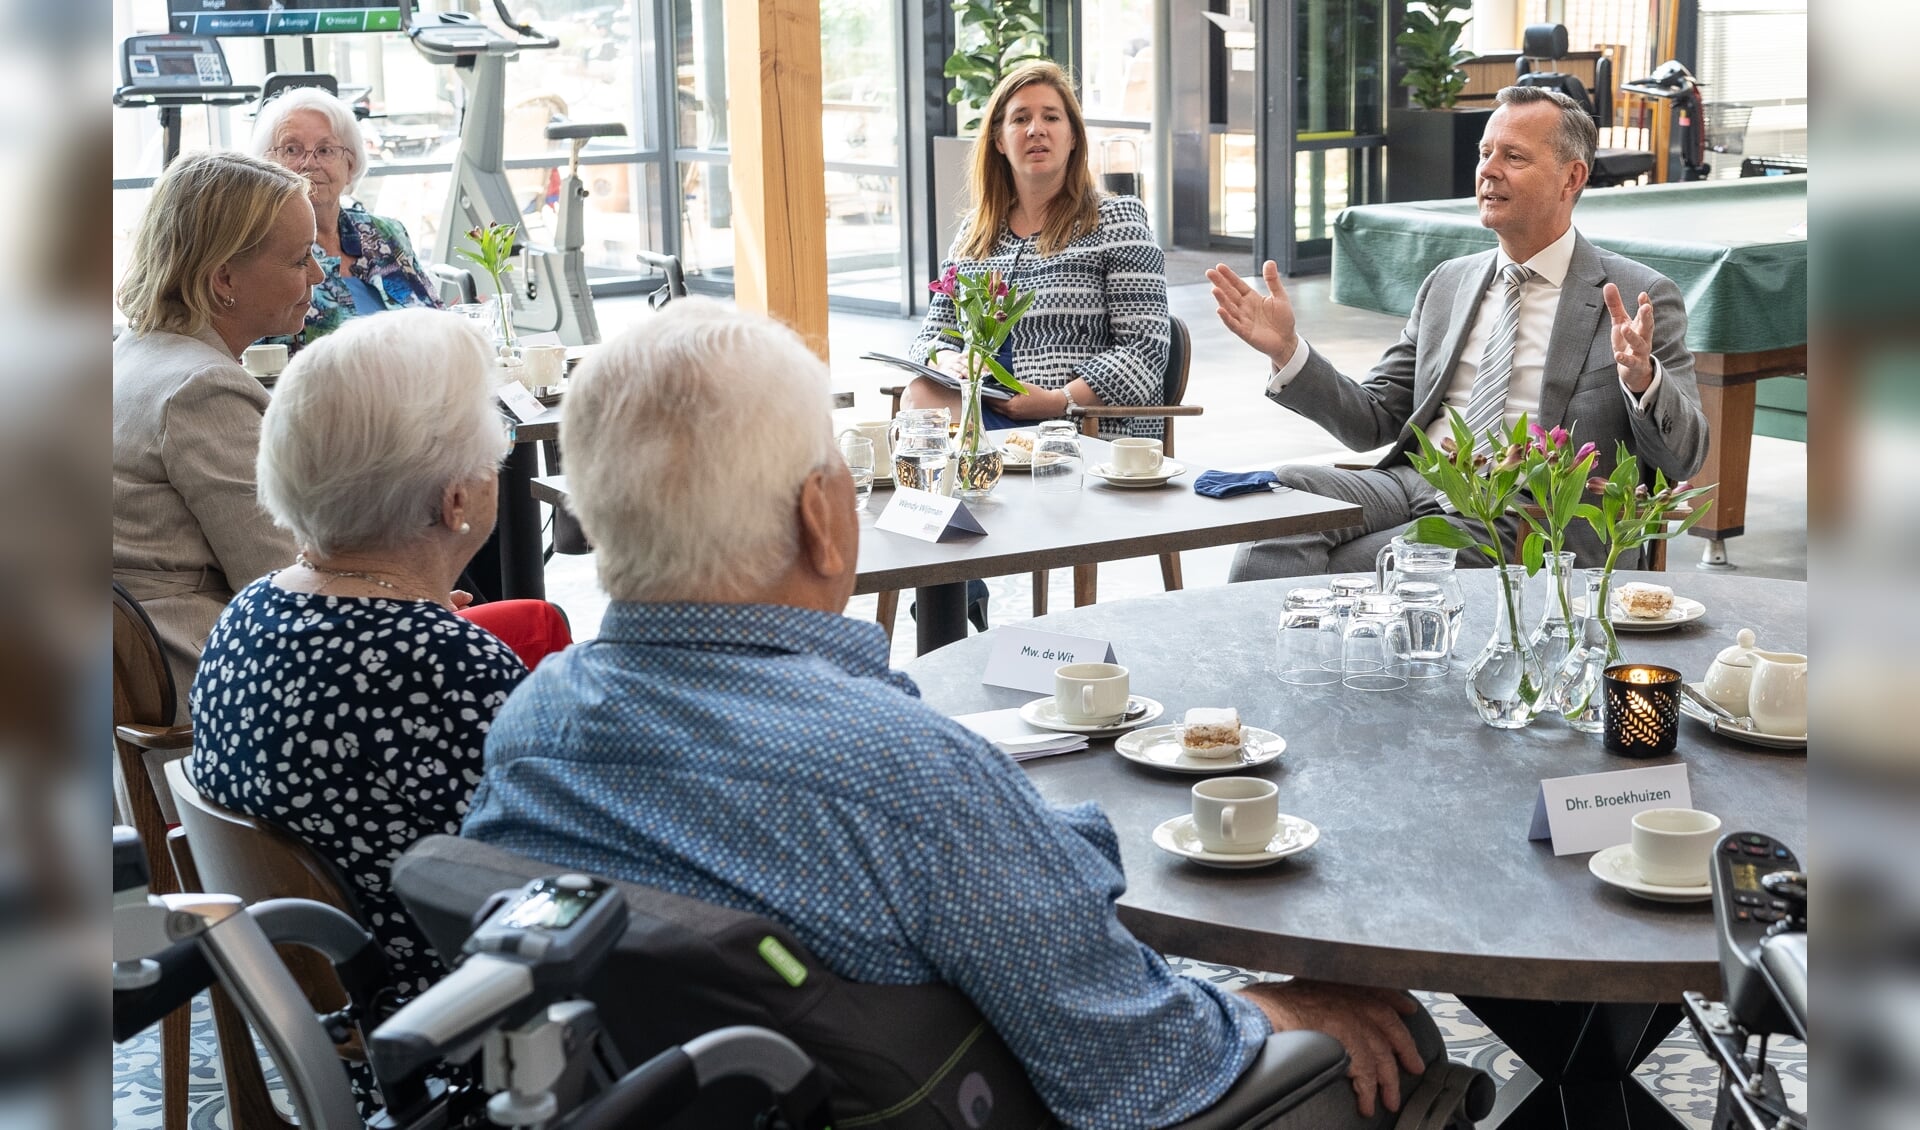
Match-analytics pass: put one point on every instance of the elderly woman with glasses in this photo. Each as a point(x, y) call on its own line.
point(342, 698)
point(367, 259)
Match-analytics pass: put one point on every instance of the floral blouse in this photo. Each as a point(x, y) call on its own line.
point(383, 259)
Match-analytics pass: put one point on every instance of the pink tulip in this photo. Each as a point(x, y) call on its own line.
point(945, 283)
point(1559, 436)
point(1536, 431)
point(1589, 449)
point(1597, 483)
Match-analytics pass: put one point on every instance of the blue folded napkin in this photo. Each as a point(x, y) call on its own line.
point(1226, 484)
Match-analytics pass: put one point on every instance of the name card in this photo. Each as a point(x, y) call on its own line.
point(1596, 810)
point(519, 401)
point(927, 516)
point(1024, 659)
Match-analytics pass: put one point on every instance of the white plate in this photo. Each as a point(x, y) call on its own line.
point(1168, 470)
point(1291, 837)
point(1616, 867)
point(1040, 712)
point(1017, 459)
point(1685, 610)
point(1160, 748)
point(1727, 729)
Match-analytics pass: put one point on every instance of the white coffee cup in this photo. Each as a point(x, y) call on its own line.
point(875, 430)
point(1133, 456)
point(1235, 814)
point(546, 364)
point(1672, 846)
point(1777, 696)
point(1090, 694)
point(264, 360)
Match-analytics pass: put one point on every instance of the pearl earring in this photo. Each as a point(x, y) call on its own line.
point(466, 527)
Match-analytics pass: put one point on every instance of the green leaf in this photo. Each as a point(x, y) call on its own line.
point(1533, 553)
point(1435, 530)
point(1000, 374)
point(1588, 511)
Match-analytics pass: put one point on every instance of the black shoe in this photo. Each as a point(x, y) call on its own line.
point(976, 605)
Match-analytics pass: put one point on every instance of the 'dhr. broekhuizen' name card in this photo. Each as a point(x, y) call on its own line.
point(1596, 810)
point(927, 516)
point(1024, 659)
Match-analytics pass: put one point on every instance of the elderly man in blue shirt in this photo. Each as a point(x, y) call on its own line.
point(732, 737)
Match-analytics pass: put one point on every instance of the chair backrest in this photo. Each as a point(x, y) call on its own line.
point(457, 285)
point(236, 854)
point(894, 1055)
point(143, 689)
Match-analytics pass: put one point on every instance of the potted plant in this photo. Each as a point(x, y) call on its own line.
point(1433, 145)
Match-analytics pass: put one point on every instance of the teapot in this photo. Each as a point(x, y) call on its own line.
point(1732, 674)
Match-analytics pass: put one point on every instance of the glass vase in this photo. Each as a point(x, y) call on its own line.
point(977, 461)
point(1556, 632)
point(1505, 682)
point(1577, 690)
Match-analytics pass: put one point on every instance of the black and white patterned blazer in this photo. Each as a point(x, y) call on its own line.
point(1100, 311)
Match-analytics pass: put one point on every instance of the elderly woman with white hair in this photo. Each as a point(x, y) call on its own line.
point(368, 260)
point(342, 698)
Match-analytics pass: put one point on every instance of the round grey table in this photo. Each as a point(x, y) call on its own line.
point(1423, 876)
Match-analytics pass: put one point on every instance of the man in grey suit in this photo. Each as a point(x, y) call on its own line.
point(1572, 356)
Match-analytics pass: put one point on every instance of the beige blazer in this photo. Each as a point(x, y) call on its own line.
point(188, 530)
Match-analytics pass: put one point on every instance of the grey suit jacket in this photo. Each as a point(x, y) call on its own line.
point(1581, 389)
point(188, 529)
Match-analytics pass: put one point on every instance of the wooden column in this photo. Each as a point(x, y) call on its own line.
point(779, 173)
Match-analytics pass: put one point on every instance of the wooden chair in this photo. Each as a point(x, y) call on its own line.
point(145, 735)
point(216, 849)
point(1173, 393)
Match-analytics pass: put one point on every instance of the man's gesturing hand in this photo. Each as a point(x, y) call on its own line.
point(1264, 322)
point(1365, 1021)
point(1632, 339)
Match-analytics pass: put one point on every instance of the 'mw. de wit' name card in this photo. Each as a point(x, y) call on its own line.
point(927, 516)
point(1024, 659)
point(1594, 811)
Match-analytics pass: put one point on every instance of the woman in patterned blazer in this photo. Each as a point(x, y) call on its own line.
point(1097, 332)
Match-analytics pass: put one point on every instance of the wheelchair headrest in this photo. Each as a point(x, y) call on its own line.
point(1544, 41)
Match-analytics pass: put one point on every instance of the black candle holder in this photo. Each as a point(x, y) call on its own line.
point(1643, 709)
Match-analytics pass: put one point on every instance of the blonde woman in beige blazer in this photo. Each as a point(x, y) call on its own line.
point(222, 257)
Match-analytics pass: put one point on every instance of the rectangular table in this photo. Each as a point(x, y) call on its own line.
point(1736, 249)
point(1029, 530)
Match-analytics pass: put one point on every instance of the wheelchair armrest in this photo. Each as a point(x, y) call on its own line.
point(1291, 1068)
point(155, 737)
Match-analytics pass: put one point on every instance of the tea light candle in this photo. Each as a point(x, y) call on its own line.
point(1642, 709)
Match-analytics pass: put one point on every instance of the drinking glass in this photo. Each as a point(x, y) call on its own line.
point(1309, 643)
point(1346, 590)
point(1057, 458)
point(1374, 643)
point(858, 452)
point(920, 447)
point(1429, 628)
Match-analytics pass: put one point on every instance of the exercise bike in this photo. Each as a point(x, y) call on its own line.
point(550, 291)
point(546, 1063)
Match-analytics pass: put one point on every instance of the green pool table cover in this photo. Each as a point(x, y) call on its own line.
point(1737, 249)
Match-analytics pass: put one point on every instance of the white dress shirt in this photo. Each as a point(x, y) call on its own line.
point(1539, 303)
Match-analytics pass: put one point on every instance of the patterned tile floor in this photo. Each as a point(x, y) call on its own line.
point(1679, 1072)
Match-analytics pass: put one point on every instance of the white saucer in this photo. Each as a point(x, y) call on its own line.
point(1726, 729)
point(1160, 748)
point(1168, 470)
point(1040, 712)
point(1616, 867)
point(1292, 836)
point(1685, 610)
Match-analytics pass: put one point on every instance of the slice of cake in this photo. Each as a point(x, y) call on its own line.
point(1018, 447)
point(1211, 731)
point(1644, 601)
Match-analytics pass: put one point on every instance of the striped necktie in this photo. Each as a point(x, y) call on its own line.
point(1489, 400)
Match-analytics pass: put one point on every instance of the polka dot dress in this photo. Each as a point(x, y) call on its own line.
point(355, 723)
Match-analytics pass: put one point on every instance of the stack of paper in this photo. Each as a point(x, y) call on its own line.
point(1017, 738)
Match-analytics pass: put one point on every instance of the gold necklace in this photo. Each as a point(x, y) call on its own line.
point(301, 560)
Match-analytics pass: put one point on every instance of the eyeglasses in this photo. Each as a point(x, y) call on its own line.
point(293, 154)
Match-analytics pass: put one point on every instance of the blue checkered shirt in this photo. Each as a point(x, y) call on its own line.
point(765, 758)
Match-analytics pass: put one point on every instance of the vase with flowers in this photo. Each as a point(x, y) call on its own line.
point(1555, 475)
point(491, 249)
point(1481, 479)
point(1627, 517)
point(986, 308)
